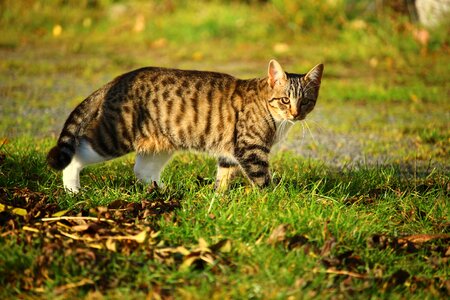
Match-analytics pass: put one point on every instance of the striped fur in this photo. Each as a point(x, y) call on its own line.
point(157, 110)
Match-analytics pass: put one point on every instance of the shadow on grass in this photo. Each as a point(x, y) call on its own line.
point(367, 181)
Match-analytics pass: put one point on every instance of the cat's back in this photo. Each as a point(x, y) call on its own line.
point(165, 77)
point(166, 109)
point(163, 84)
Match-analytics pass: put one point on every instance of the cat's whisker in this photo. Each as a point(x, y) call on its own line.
point(320, 126)
point(279, 133)
point(310, 133)
point(303, 135)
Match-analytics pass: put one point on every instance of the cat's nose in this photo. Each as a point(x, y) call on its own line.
point(294, 112)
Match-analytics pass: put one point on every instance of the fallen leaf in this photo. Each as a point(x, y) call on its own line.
point(14, 210)
point(27, 228)
point(188, 261)
point(155, 234)
point(60, 213)
point(141, 236)
point(76, 218)
point(202, 245)
point(328, 246)
point(423, 238)
point(118, 204)
point(223, 246)
point(111, 245)
point(347, 273)
point(180, 249)
point(78, 238)
point(82, 282)
point(81, 227)
point(95, 245)
point(278, 234)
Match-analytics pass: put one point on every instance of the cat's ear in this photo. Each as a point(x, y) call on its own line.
point(315, 74)
point(276, 73)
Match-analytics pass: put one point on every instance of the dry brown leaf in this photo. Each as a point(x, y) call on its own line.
point(180, 249)
point(82, 227)
point(141, 236)
point(207, 257)
point(27, 228)
point(78, 238)
point(82, 282)
point(76, 218)
point(202, 245)
point(188, 262)
point(422, 238)
point(63, 225)
point(223, 246)
point(111, 245)
point(278, 234)
point(95, 245)
point(328, 246)
point(347, 273)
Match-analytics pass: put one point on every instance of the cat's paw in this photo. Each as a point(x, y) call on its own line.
point(154, 186)
point(72, 189)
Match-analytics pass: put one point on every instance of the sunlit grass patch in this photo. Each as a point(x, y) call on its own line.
point(314, 217)
point(359, 202)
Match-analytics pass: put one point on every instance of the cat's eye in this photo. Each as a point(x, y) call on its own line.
point(305, 102)
point(285, 100)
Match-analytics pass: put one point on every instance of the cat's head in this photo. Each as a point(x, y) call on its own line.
point(292, 96)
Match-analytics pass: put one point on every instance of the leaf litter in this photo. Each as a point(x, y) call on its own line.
point(333, 260)
point(93, 236)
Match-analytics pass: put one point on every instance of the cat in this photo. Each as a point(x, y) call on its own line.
point(157, 111)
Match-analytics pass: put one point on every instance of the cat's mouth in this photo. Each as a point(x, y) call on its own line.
point(298, 117)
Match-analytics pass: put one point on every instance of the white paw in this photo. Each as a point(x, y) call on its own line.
point(71, 188)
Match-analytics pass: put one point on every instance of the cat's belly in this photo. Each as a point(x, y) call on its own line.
point(167, 143)
point(154, 144)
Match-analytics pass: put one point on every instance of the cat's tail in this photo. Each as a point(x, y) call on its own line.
point(60, 156)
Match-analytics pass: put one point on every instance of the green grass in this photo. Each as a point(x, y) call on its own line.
point(348, 198)
point(356, 204)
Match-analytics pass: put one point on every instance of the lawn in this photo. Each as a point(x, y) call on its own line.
point(359, 207)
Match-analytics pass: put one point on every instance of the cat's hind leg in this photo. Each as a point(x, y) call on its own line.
point(84, 155)
point(148, 167)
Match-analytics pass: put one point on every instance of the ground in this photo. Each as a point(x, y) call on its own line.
point(359, 207)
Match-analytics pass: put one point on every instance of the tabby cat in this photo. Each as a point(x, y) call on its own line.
point(157, 111)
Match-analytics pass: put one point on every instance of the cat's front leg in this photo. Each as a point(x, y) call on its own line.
point(226, 171)
point(255, 165)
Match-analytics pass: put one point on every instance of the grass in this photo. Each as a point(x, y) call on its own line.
point(359, 207)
